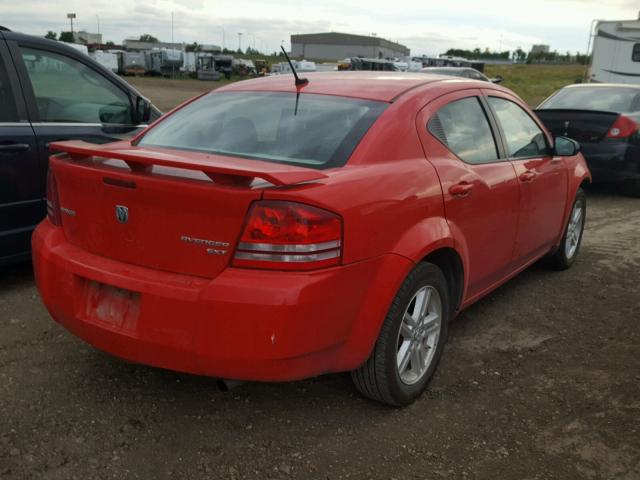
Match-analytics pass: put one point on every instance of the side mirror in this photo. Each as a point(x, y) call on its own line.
point(497, 79)
point(566, 147)
point(114, 115)
point(143, 110)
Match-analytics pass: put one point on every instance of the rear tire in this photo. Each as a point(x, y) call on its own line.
point(411, 340)
point(567, 252)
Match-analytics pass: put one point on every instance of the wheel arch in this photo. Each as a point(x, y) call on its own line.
point(449, 261)
point(436, 241)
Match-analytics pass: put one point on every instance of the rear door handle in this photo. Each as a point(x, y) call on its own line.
point(528, 176)
point(15, 147)
point(461, 189)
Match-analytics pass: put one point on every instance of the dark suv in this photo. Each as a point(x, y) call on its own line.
point(49, 91)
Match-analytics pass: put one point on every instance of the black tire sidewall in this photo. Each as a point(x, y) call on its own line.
point(568, 261)
point(425, 274)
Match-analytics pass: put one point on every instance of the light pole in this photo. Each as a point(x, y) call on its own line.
point(240, 41)
point(222, 28)
point(71, 16)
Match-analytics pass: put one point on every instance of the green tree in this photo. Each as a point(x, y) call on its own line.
point(67, 37)
point(110, 44)
point(193, 47)
point(148, 38)
point(51, 35)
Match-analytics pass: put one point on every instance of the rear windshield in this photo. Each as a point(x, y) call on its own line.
point(321, 133)
point(605, 99)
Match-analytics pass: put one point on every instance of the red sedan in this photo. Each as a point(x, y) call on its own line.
point(268, 231)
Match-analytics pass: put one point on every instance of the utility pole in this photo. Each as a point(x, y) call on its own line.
point(98, 19)
point(240, 41)
point(71, 16)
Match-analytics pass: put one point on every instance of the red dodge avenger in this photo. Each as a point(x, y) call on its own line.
point(271, 231)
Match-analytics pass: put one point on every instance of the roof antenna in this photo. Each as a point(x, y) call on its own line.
point(299, 81)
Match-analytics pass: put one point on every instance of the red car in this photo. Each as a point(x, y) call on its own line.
point(268, 231)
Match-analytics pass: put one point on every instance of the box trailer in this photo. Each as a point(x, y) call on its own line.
point(134, 63)
point(615, 55)
point(164, 62)
point(106, 59)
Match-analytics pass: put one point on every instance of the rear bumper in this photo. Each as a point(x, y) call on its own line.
point(244, 324)
point(612, 160)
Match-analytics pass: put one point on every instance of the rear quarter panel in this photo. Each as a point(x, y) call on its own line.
point(390, 200)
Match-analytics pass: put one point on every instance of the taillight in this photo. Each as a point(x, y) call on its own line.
point(53, 203)
point(289, 236)
point(623, 127)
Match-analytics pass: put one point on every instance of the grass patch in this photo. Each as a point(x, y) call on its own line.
point(534, 83)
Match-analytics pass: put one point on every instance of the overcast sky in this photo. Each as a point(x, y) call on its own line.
point(425, 26)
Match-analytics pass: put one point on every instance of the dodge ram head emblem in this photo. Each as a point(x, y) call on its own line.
point(122, 213)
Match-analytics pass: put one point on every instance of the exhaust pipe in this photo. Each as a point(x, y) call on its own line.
point(226, 385)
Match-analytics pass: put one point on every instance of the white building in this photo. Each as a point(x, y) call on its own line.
point(88, 38)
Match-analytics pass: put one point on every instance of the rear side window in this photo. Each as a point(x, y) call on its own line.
point(524, 137)
point(8, 112)
point(463, 127)
point(67, 90)
point(635, 56)
point(319, 131)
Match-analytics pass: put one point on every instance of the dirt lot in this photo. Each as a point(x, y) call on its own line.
point(166, 93)
point(541, 380)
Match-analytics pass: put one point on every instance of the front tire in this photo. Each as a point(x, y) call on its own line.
point(411, 340)
point(566, 254)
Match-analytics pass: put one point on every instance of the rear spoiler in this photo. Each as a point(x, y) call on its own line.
point(219, 168)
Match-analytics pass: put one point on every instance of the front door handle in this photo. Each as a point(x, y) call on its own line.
point(461, 189)
point(528, 176)
point(14, 147)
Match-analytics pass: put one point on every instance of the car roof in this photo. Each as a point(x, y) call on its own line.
point(600, 85)
point(379, 85)
point(41, 41)
point(453, 69)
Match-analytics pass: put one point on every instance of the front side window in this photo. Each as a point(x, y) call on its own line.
point(635, 56)
point(8, 111)
point(463, 127)
point(67, 90)
point(524, 137)
point(321, 131)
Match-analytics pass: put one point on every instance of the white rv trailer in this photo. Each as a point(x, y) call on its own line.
point(615, 56)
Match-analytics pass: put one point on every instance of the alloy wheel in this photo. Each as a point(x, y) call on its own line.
point(419, 334)
point(574, 229)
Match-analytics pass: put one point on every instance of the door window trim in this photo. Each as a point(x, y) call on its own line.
point(14, 84)
point(502, 134)
point(495, 133)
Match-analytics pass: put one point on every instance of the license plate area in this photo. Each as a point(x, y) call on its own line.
point(108, 305)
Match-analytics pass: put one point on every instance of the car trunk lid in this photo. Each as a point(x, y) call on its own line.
point(588, 126)
point(175, 211)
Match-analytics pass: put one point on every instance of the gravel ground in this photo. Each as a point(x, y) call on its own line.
point(540, 380)
point(166, 93)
